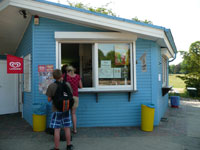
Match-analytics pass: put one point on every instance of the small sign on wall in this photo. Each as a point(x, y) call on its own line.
point(143, 62)
point(45, 77)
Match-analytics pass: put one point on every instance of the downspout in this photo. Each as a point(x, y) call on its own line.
point(173, 58)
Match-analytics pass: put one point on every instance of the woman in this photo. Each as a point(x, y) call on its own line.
point(75, 82)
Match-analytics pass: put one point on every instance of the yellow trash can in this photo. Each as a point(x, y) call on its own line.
point(147, 117)
point(39, 123)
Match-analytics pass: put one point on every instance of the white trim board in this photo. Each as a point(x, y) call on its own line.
point(88, 18)
point(95, 36)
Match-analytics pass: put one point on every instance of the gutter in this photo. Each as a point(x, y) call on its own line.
point(171, 42)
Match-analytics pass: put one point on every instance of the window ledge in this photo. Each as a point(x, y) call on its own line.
point(97, 91)
point(93, 90)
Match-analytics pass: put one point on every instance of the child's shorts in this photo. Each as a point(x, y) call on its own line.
point(60, 119)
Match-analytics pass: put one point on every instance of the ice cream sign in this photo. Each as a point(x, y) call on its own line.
point(14, 65)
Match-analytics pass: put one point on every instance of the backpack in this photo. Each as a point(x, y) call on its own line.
point(63, 98)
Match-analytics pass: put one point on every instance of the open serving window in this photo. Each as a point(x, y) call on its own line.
point(104, 66)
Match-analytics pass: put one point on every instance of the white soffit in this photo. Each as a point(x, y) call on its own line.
point(12, 28)
point(88, 18)
point(165, 52)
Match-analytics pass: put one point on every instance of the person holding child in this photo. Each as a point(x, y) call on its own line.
point(59, 119)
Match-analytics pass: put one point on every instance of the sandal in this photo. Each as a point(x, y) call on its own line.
point(70, 147)
point(74, 132)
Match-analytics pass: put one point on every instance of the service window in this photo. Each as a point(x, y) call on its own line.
point(102, 66)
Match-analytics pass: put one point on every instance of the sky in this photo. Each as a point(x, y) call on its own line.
point(181, 16)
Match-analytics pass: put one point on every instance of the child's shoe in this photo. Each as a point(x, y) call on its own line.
point(70, 147)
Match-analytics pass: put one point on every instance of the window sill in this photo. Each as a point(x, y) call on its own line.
point(97, 91)
point(104, 90)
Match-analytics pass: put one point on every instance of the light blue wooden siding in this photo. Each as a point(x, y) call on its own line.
point(25, 48)
point(44, 50)
point(163, 100)
point(113, 109)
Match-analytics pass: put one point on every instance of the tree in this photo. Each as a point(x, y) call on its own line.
point(191, 66)
point(145, 21)
point(171, 69)
point(103, 9)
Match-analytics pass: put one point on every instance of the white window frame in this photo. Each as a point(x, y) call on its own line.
point(118, 87)
point(94, 38)
point(27, 73)
point(164, 71)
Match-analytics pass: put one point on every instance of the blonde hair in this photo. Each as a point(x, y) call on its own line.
point(70, 68)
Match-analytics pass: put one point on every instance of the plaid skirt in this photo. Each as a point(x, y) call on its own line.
point(60, 119)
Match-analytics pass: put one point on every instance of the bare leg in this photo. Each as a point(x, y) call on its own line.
point(74, 119)
point(56, 137)
point(68, 135)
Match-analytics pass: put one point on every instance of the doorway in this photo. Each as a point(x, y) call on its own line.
point(8, 90)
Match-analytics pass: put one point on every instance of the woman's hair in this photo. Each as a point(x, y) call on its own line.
point(64, 69)
point(70, 68)
point(57, 74)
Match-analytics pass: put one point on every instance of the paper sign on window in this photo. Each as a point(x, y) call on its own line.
point(121, 54)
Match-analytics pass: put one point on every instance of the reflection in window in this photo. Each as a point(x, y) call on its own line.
point(114, 64)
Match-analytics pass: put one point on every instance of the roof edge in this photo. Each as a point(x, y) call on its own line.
point(166, 31)
point(120, 24)
point(100, 14)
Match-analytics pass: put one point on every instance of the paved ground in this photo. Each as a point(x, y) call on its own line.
point(180, 132)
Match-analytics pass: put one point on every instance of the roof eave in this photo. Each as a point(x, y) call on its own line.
point(97, 20)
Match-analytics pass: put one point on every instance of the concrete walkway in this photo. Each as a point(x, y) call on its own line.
point(180, 132)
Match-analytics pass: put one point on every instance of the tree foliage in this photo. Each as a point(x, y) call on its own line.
point(145, 21)
point(103, 9)
point(191, 66)
point(176, 69)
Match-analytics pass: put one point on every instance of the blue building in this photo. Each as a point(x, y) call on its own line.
point(122, 63)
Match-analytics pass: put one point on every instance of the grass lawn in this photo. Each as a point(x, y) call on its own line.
point(175, 81)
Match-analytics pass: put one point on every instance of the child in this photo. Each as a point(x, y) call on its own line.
point(59, 119)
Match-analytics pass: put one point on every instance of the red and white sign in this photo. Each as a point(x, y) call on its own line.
point(14, 64)
point(49, 68)
point(41, 68)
